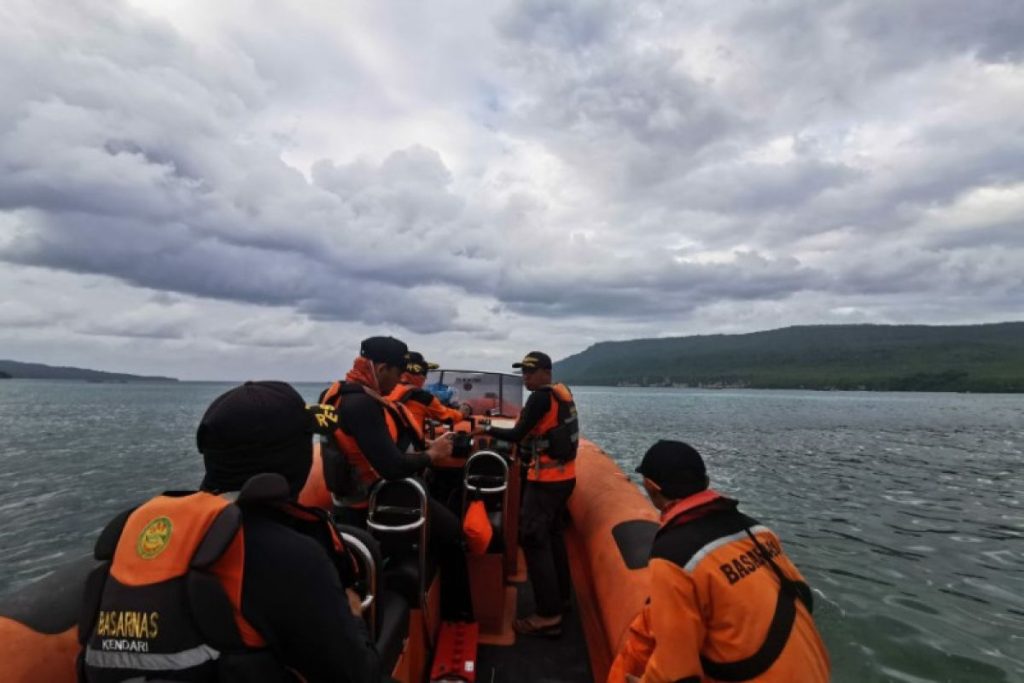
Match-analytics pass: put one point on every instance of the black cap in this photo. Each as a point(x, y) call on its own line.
point(676, 468)
point(416, 364)
point(256, 427)
point(534, 360)
point(384, 350)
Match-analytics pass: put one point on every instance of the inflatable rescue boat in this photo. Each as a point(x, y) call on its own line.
point(608, 538)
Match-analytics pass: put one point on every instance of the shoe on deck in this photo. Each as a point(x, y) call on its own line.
point(528, 627)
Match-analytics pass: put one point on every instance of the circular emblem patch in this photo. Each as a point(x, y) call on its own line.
point(154, 538)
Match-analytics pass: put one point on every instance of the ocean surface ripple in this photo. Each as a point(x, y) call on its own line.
point(904, 511)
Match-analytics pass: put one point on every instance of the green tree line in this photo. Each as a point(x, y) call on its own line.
point(977, 358)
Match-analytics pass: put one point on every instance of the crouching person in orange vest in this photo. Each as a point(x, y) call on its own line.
point(422, 404)
point(235, 582)
point(726, 604)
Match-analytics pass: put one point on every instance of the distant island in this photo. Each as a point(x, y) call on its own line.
point(969, 358)
point(10, 369)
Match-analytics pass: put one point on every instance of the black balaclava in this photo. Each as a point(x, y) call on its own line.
point(256, 427)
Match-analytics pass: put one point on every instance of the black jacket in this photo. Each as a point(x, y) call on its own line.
point(292, 593)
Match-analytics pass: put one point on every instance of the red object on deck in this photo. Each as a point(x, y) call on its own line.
point(456, 653)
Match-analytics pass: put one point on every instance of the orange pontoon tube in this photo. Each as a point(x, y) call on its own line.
point(608, 542)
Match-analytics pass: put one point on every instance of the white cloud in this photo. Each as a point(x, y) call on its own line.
point(484, 179)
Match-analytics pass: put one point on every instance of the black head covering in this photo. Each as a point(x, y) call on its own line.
point(384, 350)
point(533, 360)
point(416, 364)
point(676, 467)
point(253, 428)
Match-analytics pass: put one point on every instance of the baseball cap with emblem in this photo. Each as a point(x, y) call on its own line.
point(534, 360)
point(417, 364)
point(384, 350)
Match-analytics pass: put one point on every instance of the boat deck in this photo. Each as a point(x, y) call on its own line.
point(534, 659)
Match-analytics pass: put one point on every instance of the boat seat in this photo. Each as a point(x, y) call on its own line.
point(402, 576)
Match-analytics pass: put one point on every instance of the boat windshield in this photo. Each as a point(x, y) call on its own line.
point(488, 393)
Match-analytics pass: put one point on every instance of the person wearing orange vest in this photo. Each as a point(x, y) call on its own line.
point(376, 437)
point(446, 480)
point(233, 582)
point(726, 603)
point(422, 404)
point(547, 433)
point(374, 440)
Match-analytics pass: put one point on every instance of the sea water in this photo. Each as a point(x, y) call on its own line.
point(905, 512)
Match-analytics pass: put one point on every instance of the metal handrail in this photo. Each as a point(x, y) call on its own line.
point(395, 529)
point(420, 524)
point(369, 601)
point(482, 489)
point(388, 528)
point(486, 489)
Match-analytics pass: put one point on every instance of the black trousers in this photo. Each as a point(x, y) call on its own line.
point(446, 537)
point(540, 534)
point(445, 541)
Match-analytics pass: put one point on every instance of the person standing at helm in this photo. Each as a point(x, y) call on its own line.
point(233, 582)
point(547, 433)
point(373, 439)
point(726, 603)
point(422, 404)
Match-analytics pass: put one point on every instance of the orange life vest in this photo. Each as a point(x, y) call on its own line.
point(554, 439)
point(397, 418)
point(420, 413)
point(145, 596)
point(167, 598)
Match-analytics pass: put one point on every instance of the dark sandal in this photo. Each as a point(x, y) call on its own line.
point(527, 628)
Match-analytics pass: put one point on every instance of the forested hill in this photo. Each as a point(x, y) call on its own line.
point(17, 370)
point(874, 357)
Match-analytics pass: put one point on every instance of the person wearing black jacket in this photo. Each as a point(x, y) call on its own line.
point(297, 602)
point(375, 437)
point(279, 577)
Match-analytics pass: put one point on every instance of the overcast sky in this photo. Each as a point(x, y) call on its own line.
point(241, 189)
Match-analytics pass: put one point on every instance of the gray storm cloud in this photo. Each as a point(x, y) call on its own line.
point(706, 153)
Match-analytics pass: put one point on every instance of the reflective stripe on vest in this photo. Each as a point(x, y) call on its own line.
point(544, 468)
point(144, 661)
point(718, 543)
